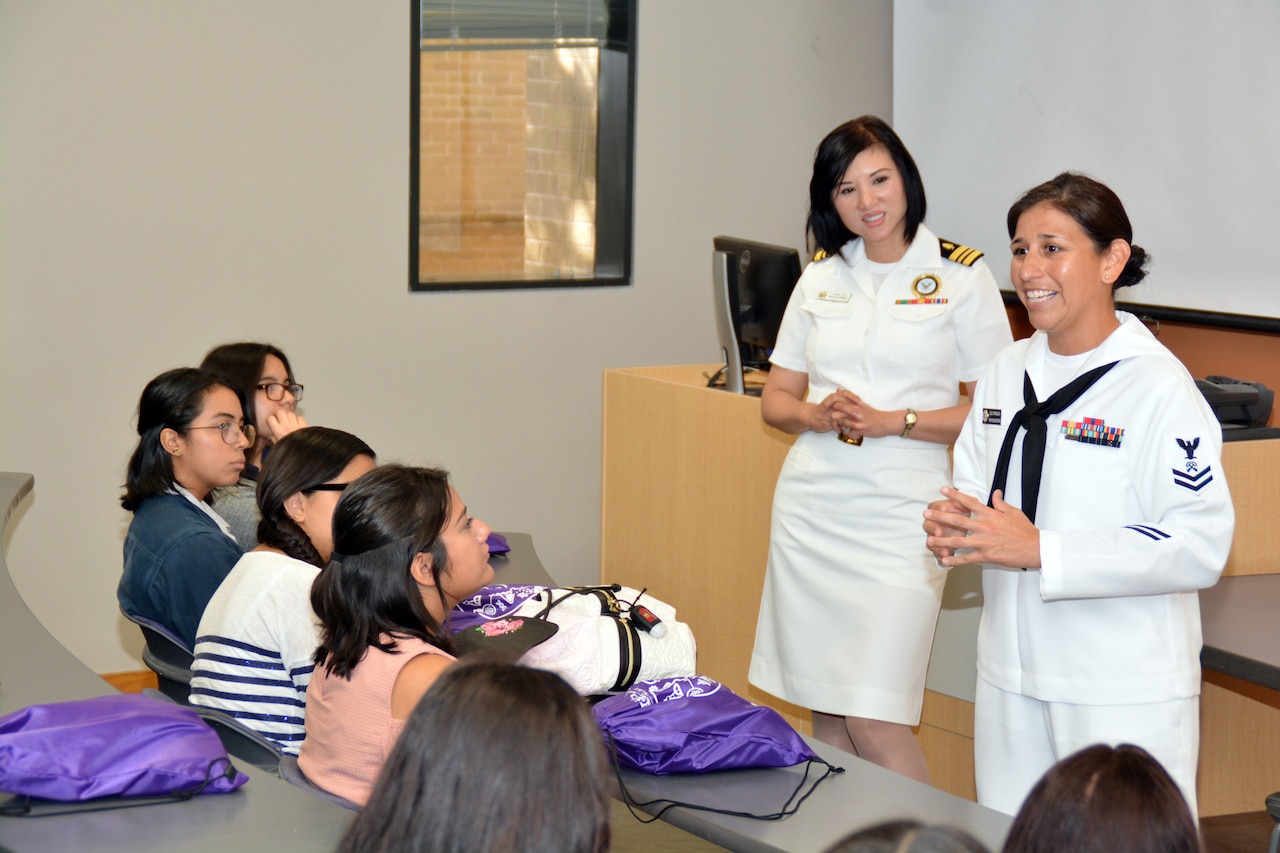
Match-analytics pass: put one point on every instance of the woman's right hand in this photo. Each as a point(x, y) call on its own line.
point(783, 405)
point(282, 422)
point(936, 526)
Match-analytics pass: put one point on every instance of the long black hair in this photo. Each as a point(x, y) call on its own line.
point(170, 401)
point(382, 521)
point(299, 462)
point(495, 756)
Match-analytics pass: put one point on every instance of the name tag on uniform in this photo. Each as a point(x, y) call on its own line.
point(827, 296)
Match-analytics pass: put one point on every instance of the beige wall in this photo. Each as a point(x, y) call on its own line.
point(175, 175)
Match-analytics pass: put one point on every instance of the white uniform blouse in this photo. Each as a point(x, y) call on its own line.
point(933, 324)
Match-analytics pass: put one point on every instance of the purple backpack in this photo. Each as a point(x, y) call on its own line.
point(108, 752)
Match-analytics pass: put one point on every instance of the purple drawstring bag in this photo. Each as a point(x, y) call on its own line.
point(495, 601)
point(108, 752)
point(695, 725)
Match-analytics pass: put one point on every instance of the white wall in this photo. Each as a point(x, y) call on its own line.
point(174, 175)
point(1172, 103)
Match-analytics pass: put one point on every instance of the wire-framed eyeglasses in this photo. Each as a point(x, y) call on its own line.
point(231, 432)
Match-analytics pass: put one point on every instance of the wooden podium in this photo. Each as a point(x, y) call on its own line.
point(688, 477)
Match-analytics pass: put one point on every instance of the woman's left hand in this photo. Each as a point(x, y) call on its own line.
point(999, 534)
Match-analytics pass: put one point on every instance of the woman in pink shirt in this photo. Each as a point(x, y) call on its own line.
point(405, 551)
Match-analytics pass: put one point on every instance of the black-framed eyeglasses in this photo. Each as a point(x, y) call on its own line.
point(231, 432)
point(275, 391)
point(327, 487)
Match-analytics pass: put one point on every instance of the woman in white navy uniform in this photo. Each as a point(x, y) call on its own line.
point(1090, 629)
point(875, 343)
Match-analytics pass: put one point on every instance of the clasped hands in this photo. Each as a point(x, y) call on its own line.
point(1000, 534)
point(847, 412)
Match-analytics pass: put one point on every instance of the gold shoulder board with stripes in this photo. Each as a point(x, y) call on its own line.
point(819, 255)
point(959, 254)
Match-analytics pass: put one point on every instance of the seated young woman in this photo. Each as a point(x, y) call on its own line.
point(191, 440)
point(405, 551)
point(539, 785)
point(258, 634)
point(262, 375)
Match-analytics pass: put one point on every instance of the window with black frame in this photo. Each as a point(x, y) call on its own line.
point(521, 143)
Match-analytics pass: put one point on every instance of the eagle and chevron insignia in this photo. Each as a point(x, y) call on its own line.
point(1193, 477)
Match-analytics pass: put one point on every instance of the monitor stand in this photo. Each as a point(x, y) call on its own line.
point(726, 327)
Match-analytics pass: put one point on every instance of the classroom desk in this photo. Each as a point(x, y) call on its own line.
point(862, 796)
point(267, 814)
point(521, 564)
point(1240, 693)
point(1241, 639)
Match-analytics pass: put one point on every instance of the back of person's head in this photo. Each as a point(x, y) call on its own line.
point(240, 366)
point(170, 401)
point(908, 836)
point(1103, 799)
point(300, 462)
point(835, 154)
point(1095, 208)
point(382, 521)
point(495, 757)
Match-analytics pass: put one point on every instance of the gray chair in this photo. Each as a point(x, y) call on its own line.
point(166, 656)
point(238, 740)
point(292, 773)
point(241, 741)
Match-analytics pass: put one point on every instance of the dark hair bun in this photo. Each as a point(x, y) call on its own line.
point(1135, 270)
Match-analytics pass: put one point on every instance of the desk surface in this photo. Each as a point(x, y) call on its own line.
point(861, 796)
point(1241, 639)
point(266, 814)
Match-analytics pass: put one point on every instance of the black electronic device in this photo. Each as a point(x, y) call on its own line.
point(752, 283)
point(1236, 402)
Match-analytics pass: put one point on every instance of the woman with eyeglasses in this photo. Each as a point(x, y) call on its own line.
point(262, 374)
point(405, 551)
point(254, 646)
point(191, 440)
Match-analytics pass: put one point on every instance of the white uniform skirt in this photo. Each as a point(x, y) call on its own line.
point(851, 594)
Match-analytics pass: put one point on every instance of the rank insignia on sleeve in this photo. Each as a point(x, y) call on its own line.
point(991, 417)
point(1192, 476)
point(1093, 431)
point(960, 254)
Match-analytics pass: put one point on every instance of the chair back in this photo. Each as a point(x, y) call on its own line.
point(166, 656)
point(292, 773)
point(241, 741)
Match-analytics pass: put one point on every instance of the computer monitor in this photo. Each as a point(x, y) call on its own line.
point(752, 283)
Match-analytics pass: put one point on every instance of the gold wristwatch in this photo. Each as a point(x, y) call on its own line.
point(909, 420)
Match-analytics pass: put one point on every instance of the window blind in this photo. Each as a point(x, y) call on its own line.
point(530, 22)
